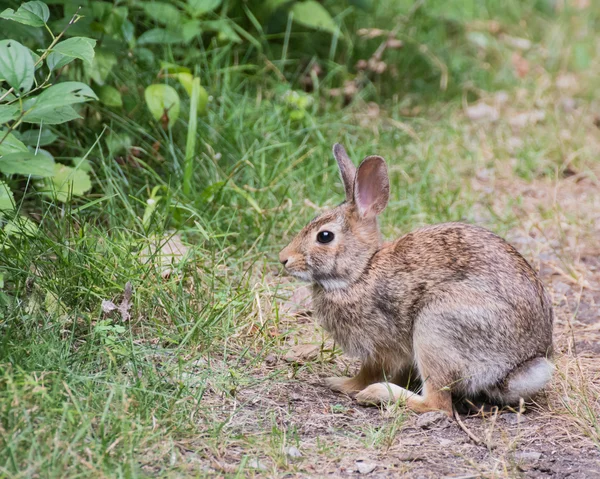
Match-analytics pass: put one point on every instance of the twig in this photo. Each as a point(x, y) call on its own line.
point(461, 424)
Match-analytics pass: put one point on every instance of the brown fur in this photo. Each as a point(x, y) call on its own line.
point(455, 301)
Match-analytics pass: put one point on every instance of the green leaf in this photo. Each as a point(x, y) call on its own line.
point(16, 65)
point(7, 201)
point(66, 182)
point(172, 68)
point(163, 100)
point(8, 113)
point(11, 144)
point(35, 14)
point(200, 7)
point(110, 96)
point(33, 137)
point(225, 31)
point(163, 13)
point(101, 66)
point(187, 81)
point(27, 163)
point(76, 47)
point(190, 30)
point(312, 14)
point(160, 36)
point(82, 164)
point(51, 116)
point(60, 95)
point(20, 226)
point(55, 61)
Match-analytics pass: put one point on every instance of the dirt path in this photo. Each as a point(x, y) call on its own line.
point(558, 437)
point(554, 438)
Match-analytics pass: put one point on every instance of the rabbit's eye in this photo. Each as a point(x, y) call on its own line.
point(325, 237)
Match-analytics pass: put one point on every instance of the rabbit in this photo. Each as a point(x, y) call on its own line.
point(453, 304)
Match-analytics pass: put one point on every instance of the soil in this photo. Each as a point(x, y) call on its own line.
point(557, 437)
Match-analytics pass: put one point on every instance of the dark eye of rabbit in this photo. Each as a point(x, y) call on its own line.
point(325, 237)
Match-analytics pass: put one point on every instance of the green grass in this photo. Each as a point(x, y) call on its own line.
point(83, 393)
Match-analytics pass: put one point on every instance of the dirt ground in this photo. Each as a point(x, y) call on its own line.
point(557, 437)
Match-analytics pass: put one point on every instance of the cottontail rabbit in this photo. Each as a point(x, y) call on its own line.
point(455, 302)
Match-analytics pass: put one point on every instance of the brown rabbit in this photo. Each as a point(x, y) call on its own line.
point(453, 301)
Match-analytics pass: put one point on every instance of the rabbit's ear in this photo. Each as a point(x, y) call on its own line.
point(347, 170)
point(371, 187)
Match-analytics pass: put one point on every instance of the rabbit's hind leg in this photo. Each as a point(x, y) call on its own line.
point(431, 399)
point(368, 374)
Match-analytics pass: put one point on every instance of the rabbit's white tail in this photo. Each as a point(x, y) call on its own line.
point(525, 381)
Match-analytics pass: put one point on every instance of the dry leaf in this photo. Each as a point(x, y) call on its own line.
point(125, 305)
point(302, 353)
point(482, 112)
point(166, 252)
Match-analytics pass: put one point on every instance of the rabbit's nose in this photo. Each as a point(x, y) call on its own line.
point(283, 258)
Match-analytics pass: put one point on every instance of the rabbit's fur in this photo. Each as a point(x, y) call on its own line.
point(453, 303)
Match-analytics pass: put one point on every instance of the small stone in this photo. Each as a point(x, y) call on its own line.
point(256, 464)
point(528, 456)
point(561, 288)
point(433, 418)
point(293, 452)
point(271, 360)
point(365, 467)
point(513, 418)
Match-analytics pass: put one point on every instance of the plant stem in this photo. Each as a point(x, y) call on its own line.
point(190, 146)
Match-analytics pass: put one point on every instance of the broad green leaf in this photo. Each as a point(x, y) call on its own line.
point(101, 66)
point(66, 182)
point(160, 36)
point(200, 7)
point(187, 81)
point(312, 14)
point(8, 113)
point(82, 164)
point(20, 226)
point(225, 32)
point(11, 144)
point(27, 163)
point(35, 57)
point(190, 30)
point(35, 14)
point(77, 47)
point(33, 137)
point(163, 100)
point(163, 13)
point(16, 65)
point(52, 116)
point(110, 96)
point(62, 94)
point(7, 201)
point(55, 61)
